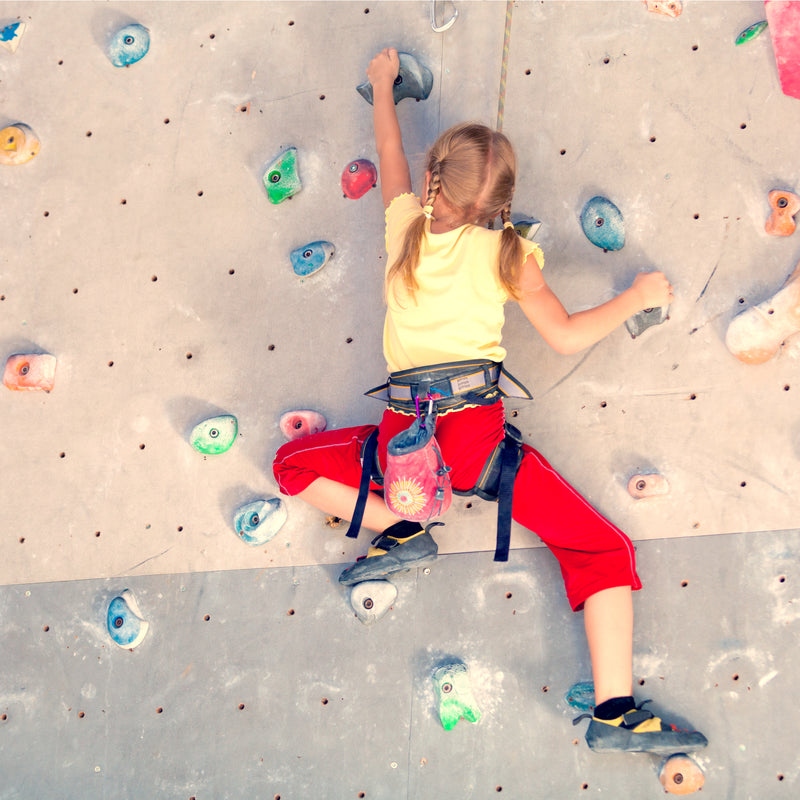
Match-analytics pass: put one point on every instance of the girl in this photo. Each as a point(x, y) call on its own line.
point(448, 277)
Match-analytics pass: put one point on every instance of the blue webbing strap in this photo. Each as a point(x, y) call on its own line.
point(505, 498)
point(367, 465)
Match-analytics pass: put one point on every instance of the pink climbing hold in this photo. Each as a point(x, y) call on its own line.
point(30, 373)
point(783, 17)
point(358, 178)
point(296, 424)
point(669, 8)
point(650, 485)
point(756, 335)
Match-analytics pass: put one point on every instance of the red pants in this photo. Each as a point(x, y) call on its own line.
point(593, 554)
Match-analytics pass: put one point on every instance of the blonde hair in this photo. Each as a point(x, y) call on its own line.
point(473, 168)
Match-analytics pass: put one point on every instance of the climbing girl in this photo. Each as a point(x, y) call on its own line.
point(448, 277)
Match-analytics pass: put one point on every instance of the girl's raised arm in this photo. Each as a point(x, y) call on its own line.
point(395, 176)
point(569, 333)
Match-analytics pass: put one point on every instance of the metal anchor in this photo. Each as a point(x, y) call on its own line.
point(445, 25)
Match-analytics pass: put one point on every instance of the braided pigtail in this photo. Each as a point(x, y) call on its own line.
point(408, 259)
point(511, 255)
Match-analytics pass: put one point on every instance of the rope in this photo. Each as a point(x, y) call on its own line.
point(501, 104)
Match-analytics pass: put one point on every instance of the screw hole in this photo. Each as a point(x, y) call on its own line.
point(188, 355)
point(782, 579)
point(159, 710)
point(290, 612)
point(684, 584)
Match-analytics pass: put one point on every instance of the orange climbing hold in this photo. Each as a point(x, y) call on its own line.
point(784, 206)
point(296, 424)
point(30, 373)
point(756, 335)
point(652, 485)
point(669, 8)
point(681, 775)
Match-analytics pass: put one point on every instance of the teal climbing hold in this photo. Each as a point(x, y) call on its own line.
point(454, 695)
point(124, 621)
point(413, 80)
point(748, 34)
point(258, 522)
point(602, 223)
point(581, 696)
point(129, 45)
point(281, 180)
point(311, 258)
point(214, 435)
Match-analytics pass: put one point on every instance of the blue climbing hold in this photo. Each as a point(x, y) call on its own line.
point(124, 621)
point(311, 258)
point(581, 696)
point(602, 223)
point(129, 45)
point(259, 521)
point(413, 80)
point(10, 36)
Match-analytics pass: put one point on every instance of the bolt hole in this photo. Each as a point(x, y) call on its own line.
point(188, 355)
point(46, 628)
point(241, 706)
point(97, 534)
point(159, 710)
point(290, 612)
point(324, 701)
point(684, 584)
point(563, 152)
point(81, 715)
point(782, 579)
point(697, 216)
point(736, 676)
point(652, 138)
point(166, 120)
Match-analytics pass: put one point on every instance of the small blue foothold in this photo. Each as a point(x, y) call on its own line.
point(125, 624)
point(581, 696)
point(129, 45)
point(259, 521)
point(311, 258)
point(602, 223)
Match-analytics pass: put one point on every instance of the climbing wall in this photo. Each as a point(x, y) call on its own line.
point(142, 251)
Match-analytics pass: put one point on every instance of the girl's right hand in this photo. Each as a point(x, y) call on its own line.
point(384, 67)
point(654, 290)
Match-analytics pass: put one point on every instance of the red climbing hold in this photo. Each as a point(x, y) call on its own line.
point(358, 178)
point(30, 373)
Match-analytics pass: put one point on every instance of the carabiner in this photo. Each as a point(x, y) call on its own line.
point(445, 25)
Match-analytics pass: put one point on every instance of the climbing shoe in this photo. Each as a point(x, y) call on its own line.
point(639, 731)
point(390, 554)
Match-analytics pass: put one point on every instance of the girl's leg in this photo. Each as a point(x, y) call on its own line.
point(608, 619)
point(339, 499)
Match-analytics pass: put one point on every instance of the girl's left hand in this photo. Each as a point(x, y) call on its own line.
point(653, 289)
point(385, 66)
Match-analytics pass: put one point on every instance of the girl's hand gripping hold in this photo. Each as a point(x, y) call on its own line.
point(384, 68)
point(654, 290)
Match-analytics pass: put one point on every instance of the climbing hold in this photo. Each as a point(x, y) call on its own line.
point(281, 179)
point(311, 258)
point(528, 228)
point(681, 775)
point(650, 485)
point(259, 521)
point(454, 695)
point(30, 372)
point(581, 696)
point(784, 206)
point(371, 600)
point(358, 178)
point(124, 621)
point(755, 335)
point(748, 34)
point(669, 8)
point(784, 21)
point(214, 435)
point(602, 223)
point(11, 35)
point(129, 45)
point(645, 319)
point(413, 80)
point(18, 144)
point(296, 424)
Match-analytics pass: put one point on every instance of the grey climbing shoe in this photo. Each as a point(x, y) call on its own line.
point(389, 554)
point(640, 731)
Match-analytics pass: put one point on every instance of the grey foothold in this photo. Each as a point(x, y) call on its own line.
point(372, 599)
point(640, 322)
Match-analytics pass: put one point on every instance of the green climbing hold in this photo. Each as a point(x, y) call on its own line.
point(281, 179)
point(454, 695)
point(214, 435)
point(748, 34)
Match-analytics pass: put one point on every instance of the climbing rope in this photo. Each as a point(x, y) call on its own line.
point(501, 103)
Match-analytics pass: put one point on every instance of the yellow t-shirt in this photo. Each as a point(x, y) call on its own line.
point(457, 312)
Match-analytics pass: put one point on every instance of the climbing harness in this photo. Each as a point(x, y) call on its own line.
point(448, 387)
point(445, 25)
